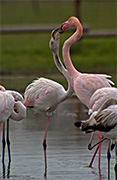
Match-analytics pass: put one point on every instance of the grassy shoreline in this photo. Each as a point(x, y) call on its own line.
point(27, 61)
point(29, 56)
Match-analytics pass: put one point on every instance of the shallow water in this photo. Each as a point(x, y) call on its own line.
point(67, 152)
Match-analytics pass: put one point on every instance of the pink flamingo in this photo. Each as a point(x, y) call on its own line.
point(97, 99)
point(103, 118)
point(44, 94)
point(83, 84)
point(10, 107)
point(100, 96)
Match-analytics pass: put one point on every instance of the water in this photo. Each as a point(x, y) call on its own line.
point(67, 153)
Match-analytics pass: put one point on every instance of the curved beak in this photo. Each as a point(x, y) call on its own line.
point(55, 30)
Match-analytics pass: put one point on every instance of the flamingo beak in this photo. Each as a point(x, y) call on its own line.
point(61, 29)
point(64, 26)
point(55, 30)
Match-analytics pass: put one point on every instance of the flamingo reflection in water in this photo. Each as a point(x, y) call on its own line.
point(10, 107)
point(44, 94)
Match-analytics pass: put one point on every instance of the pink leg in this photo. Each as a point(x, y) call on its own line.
point(99, 157)
point(46, 129)
point(98, 148)
point(0, 126)
point(91, 162)
point(45, 145)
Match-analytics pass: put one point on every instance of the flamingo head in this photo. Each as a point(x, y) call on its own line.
point(71, 22)
point(2, 88)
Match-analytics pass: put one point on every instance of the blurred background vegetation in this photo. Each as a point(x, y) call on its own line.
point(26, 56)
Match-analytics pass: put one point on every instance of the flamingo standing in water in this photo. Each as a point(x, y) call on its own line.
point(44, 94)
point(104, 118)
point(97, 99)
point(10, 107)
point(83, 84)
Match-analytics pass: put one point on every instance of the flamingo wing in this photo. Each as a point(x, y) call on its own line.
point(6, 106)
point(107, 114)
point(104, 119)
point(86, 84)
point(50, 98)
point(100, 96)
point(44, 94)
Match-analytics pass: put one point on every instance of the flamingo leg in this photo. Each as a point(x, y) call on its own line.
point(108, 157)
point(115, 160)
point(90, 141)
point(100, 139)
point(3, 149)
point(8, 146)
point(91, 147)
point(99, 157)
point(91, 162)
point(45, 145)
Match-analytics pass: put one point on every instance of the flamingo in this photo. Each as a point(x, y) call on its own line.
point(100, 96)
point(97, 99)
point(44, 94)
point(83, 84)
point(10, 107)
point(105, 121)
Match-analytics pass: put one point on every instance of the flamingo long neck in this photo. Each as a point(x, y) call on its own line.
point(66, 48)
point(62, 69)
point(17, 116)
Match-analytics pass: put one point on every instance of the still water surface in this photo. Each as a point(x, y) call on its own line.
point(67, 153)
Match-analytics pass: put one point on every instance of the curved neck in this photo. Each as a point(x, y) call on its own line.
point(20, 112)
point(64, 71)
point(66, 48)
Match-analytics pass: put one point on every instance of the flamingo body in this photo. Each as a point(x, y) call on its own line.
point(100, 96)
point(6, 106)
point(103, 120)
point(44, 94)
point(84, 85)
point(10, 107)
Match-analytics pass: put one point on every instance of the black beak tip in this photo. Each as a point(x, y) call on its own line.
point(61, 31)
point(54, 31)
point(77, 124)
